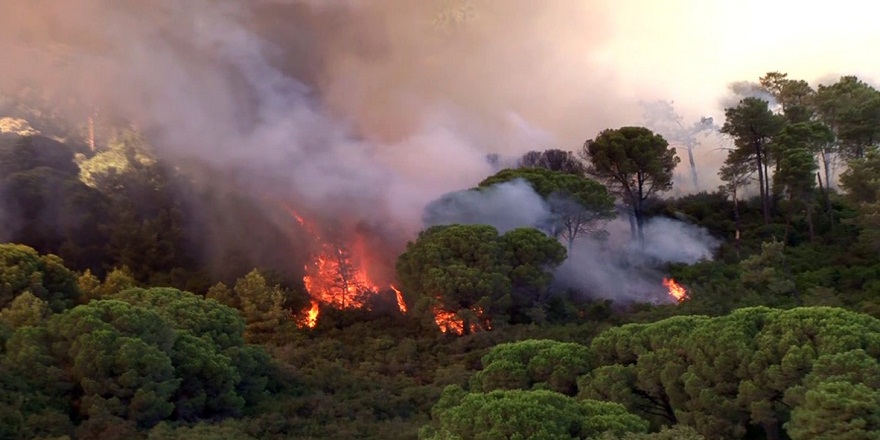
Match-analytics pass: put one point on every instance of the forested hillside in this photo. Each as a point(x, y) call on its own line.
point(147, 298)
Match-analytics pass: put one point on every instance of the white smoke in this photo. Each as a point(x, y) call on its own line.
point(620, 269)
point(611, 267)
point(504, 206)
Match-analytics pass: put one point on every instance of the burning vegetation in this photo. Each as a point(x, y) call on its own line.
point(338, 274)
point(675, 289)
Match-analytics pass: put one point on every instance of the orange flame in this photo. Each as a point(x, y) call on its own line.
point(450, 323)
point(675, 289)
point(312, 315)
point(335, 278)
point(400, 303)
point(337, 274)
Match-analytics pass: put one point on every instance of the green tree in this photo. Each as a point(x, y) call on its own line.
point(199, 431)
point(735, 173)
point(661, 117)
point(838, 399)
point(751, 368)
point(796, 177)
point(147, 213)
point(117, 280)
point(851, 108)
point(471, 271)
point(221, 293)
point(262, 306)
point(861, 181)
point(634, 163)
point(577, 203)
point(753, 127)
point(786, 349)
point(795, 97)
point(23, 269)
point(34, 387)
point(124, 364)
point(553, 160)
point(533, 364)
point(837, 410)
point(117, 356)
point(638, 367)
point(88, 285)
point(25, 309)
point(518, 414)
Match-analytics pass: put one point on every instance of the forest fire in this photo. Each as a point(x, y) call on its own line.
point(312, 315)
point(335, 278)
point(401, 304)
point(675, 289)
point(337, 275)
point(450, 323)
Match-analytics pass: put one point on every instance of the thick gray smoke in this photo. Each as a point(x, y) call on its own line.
point(356, 112)
point(620, 269)
point(615, 267)
point(505, 206)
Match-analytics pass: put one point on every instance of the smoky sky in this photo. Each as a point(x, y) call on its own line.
point(611, 267)
point(365, 111)
point(349, 107)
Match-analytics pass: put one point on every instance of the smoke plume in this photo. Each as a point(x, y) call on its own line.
point(620, 269)
point(356, 112)
point(505, 206)
point(610, 266)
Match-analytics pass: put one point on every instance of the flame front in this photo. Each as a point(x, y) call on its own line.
point(675, 289)
point(450, 322)
point(400, 303)
point(335, 278)
point(312, 316)
point(338, 275)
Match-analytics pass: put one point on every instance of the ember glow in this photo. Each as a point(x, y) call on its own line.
point(400, 303)
point(337, 273)
point(675, 289)
point(335, 277)
point(450, 323)
point(312, 315)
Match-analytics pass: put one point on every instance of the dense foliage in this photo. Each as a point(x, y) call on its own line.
point(483, 278)
point(124, 316)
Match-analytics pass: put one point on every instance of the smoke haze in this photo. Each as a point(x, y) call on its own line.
point(614, 267)
point(504, 206)
point(365, 111)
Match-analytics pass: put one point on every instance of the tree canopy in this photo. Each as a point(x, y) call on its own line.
point(522, 414)
point(577, 203)
point(482, 277)
point(634, 163)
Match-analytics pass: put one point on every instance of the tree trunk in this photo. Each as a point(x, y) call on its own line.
point(690, 150)
point(772, 430)
point(640, 225)
point(827, 203)
point(826, 165)
point(736, 220)
point(765, 206)
point(810, 223)
point(640, 214)
point(632, 225)
point(771, 195)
